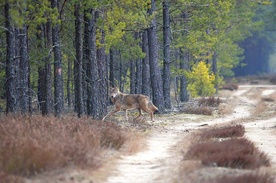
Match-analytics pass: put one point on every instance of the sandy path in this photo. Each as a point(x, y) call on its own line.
point(156, 163)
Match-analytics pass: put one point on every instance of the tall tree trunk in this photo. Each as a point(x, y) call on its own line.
point(68, 84)
point(78, 71)
point(184, 60)
point(48, 70)
point(111, 69)
point(58, 77)
point(11, 75)
point(103, 75)
point(138, 88)
point(215, 70)
point(166, 52)
point(156, 79)
point(132, 76)
point(24, 71)
point(145, 65)
point(167, 59)
point(93, 93)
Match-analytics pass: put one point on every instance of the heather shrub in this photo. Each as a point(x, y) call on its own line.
point(209, 101)
point(29, 145)
point(6, 178)
point(112, 136)
point(230, 86)
point(233, 153)
point(248, 178)
point(223, 132)
point(198, 110)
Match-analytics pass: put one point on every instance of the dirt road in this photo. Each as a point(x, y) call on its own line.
point(159, 162)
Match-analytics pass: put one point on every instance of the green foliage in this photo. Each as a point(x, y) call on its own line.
point(200, 81)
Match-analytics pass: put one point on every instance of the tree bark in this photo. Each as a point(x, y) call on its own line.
point(58, 76)
point(145, 67)
point(111, 68)
point(11, 64)
point(156, 79)
point(103, 75)
point(68, 84)
point(48, 82)
point(138, 88)
point(215, 70)
point(78, 70)
point(166, 52)
point(132, 76)
point(24, 72)
point(184, 60)
point(92, 72)
point(138, 84)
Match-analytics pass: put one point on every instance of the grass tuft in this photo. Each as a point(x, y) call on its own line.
point(209, 101)
point(230, 86)
point(248, 178)
point(232, 153)
point(223, 132)
point(198, 110)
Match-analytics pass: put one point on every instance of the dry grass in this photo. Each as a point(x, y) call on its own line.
point(209, 101)
point(198, 110)
point(204, 105)
point(230, 86)
point(232, 153)
point(223, 132)
point(6, 178)
point(248, 178)
point(30, 145)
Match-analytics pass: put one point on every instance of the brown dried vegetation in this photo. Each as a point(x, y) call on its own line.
point(204, 106)
point(248, 178)
point(29, 145)
point(223, 132)
point(232, 153)
point(230, 86)
point(225, 147)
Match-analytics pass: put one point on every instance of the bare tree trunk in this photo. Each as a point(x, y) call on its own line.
point(92, 72)
point(215, 70)
point(166, 52)
point(11, 75)
point(78, 70)
point(103, 75)
point(23, 72)
point(184, 64)
point(145, 67)
point(68, 84)
point(156, 79)
point(48, 70)
point(58, 76)
point(132, 76)
point(111, 68)
point(138, 88)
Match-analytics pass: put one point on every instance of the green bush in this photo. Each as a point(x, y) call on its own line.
point(201, 81)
